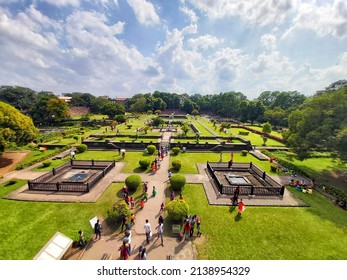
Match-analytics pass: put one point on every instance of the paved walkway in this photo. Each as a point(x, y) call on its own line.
point(106, 248)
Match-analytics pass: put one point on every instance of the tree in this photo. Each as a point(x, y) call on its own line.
point(40, 112)
point(341, 144)
point(316, 125)
point(58, 109)
point(15, 127)
point(112, 109)
point(267, 128)
point(21, 98)
point(139, 105)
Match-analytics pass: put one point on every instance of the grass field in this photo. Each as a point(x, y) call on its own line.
point(318, 232)
point(27, 226)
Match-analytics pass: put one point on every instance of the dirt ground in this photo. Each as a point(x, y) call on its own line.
point(9, 160)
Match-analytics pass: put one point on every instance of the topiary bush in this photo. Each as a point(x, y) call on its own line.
point(176, 164)
point(176, 150)
point(144, 163)
point(81, 148)
point(274, 167)
point(133, 182)
point(177, 209)
point(46, 163)
point(114, 216)
point(177, 182)
point(244, 152)
point(12, 181)
point(151, 149)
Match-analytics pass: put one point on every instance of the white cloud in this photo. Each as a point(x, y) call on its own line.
point(62, 3)
point(268, 41)
point(145, 12)
point(204, 42)
point(260, 12)
point(190, 13)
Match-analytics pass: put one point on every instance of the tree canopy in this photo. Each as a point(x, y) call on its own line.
point(15, 127)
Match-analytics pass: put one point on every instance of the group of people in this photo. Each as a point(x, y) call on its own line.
point(189, 224)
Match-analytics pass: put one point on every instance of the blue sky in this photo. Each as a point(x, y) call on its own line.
point(123, 47)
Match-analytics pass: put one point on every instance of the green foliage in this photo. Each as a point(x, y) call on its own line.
point(15, 127)
point(149, 112)
point(274, 167)
point(112, 109)
point(267, 128)
point(177, 182)
point(195, 112)
point(176, 164)
point(176, 150)
point(114, 216)
point(157, 121)
point(244, 152)
point(120, 118)
point(144, 163)
point(177, 209)
point(157, 112)
point(341, 145)
point(133, 182)
point(151, 149)
point(315, 126)
point(46, 163)
point(81, 148)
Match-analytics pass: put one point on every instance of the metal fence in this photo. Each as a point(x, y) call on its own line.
point(41, 184)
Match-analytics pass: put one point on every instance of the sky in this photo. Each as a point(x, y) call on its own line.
point(120, 48)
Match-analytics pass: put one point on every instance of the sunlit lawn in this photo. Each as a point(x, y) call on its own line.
point(255, 139)
point(131, 159)
point(34, 223)
point(189, 161)
point(318, 232)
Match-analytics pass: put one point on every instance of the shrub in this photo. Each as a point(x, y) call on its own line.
point(46, 163)
point(81, 148)
point(176, 150)
point(177, 209)
point(76, 138)
point(129, 126)
point(177, 182)
point(176, 164)
point(133, 182)
point(114, 216)
point(144, 163)
point(151, 149)
point(244, 152)
point(273, 167)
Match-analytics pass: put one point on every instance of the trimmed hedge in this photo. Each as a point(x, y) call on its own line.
point(114, 216)
point(133, 182)
point(244, 152)
point(144, 163)
point(176, 164)
point(151, 149)
point(81, 148)
point(177, 209)
point(46, 163)
point(177, 182)
point(176, 150)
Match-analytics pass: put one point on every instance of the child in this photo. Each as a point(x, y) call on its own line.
point(162, 207)
point(142, 203)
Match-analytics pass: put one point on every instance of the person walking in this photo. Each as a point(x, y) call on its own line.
point(187, 230)
point(169, 174)
point(97, 229)
point(154, 191)
point(192, 224)
point(198, 225)
point(148, 230)
point(124, 220)
point(241, 207)
point(132, 202)
point(160, 231)
point(162, 208)
point(236, 195)
point(143, 255)
point(81, 241)
point(172, 196)
point(132, 219)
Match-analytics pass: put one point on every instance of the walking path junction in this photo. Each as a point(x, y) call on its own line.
point(107, 246)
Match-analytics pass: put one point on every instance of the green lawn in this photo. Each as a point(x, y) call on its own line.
point(255, 139)
point(27, 226)
point(318, 232)
point(188, 159)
